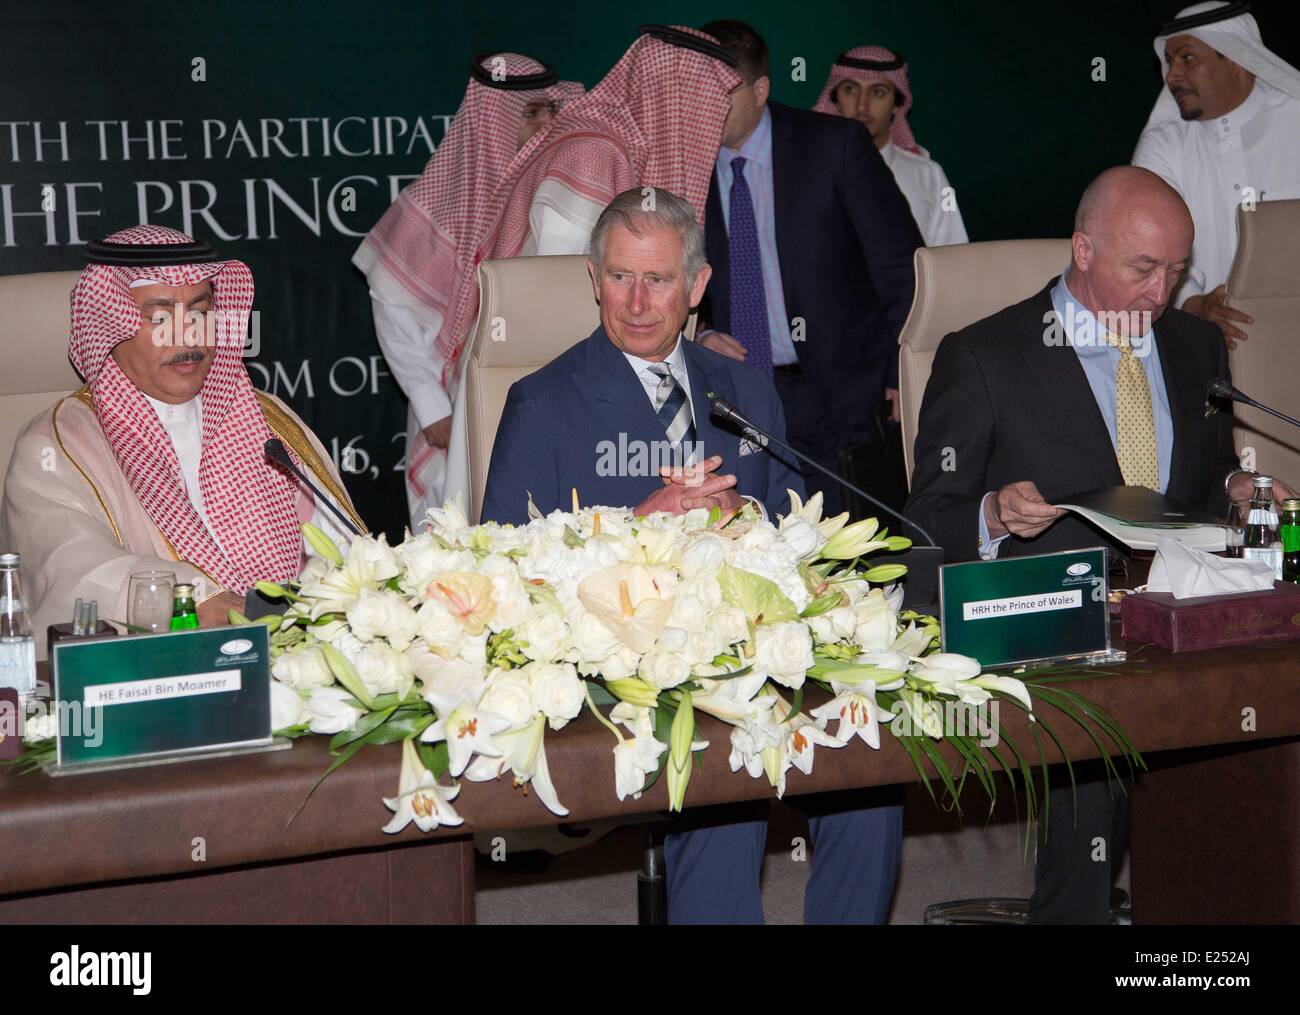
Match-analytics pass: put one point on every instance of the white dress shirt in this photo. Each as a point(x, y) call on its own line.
point(1254, 150)
point(650, 380)
point(927, 190)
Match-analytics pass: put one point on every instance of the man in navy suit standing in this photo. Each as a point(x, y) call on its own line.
point(811, 243)
point(604, 418)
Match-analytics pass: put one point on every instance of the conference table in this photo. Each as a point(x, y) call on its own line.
point(1214, 831)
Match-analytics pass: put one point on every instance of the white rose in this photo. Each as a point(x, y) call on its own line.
point(509, 694)
point(802, 537)
point(665, 669)
point(425, 559)
point(40, 727)
point(544, 635)
point(688, 613)
point(455, 678)
point(784, 652)
point(671, 639)
point(512, 602)
point(384, 670)
point(303, 669)
point(473, 650)
point(703, 646)
point(557, 691)
point(383, 614)
point(592, 639)
point(329, 711)
point(731, 624)
point(623, 663)
point(704, 555)
point(440, 630)
point(286, 706)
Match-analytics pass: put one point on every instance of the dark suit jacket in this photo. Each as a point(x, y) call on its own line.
point(579, 421)
point(845, 238)
point(1011, 407)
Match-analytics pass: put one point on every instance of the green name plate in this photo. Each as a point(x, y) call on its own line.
point(159, 694)
point(1026, 609)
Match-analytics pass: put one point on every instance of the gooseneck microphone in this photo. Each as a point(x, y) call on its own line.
point(723, 409)
point(276, 452)
point(1219, 388)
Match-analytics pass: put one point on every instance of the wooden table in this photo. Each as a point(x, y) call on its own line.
point(1215, 835)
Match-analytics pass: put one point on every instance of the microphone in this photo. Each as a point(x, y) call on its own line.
point(1219, 388)
point(723, 409)
point(276, 452)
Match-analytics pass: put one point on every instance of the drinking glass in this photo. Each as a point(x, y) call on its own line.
point(1238, 514)
point(149, 600)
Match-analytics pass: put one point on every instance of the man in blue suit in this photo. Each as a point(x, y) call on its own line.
point(623, 418)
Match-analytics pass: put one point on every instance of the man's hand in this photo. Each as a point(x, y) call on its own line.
point(439, 434)
point(1211, 306)
point(1020, 509)
point(1242, 485)
point(213, 611)
point(895, 404)
point(721, 342)
point(690, 487)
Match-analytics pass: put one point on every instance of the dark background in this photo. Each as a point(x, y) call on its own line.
point(1004, 98)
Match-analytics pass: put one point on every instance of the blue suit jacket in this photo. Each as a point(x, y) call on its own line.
point(584, 421)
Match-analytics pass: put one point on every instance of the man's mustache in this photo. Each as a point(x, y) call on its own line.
point(186, 356)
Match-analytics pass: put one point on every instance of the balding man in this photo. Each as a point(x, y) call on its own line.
point(1094, 382)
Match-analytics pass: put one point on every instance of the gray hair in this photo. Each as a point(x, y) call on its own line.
point(641, 206)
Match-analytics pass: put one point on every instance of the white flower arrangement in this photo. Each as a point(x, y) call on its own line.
point(468, 642)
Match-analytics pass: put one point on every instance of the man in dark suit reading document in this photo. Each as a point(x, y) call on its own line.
point(1094, 382)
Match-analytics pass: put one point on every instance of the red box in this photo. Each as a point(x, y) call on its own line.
point(1190, 625)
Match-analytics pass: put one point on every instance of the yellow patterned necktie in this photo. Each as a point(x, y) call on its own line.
point(1135, 427)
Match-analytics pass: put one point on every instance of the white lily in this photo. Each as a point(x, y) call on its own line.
point(859, 714)
point(419, 797)
point(735, 700)
point(467, 729)
point(811, 512)
point(634, 759)
point(959, 676)
point(525, 755)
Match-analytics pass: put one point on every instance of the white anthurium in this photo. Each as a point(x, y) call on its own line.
point(858, 712)
point(524, 752)
point(419, 797)
point(467, 729)
point(657, 546)
point(628, 600)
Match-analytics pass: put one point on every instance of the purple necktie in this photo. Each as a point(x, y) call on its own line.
point(748, 296)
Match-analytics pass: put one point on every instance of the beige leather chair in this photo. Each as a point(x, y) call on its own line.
point(531, 309)
point(34, 318)
point(1265, 283)
point(956, 286)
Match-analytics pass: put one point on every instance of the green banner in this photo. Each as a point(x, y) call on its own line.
point(1025, 609)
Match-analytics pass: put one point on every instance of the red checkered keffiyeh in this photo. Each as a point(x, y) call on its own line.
point(428, 238)
point(654, 120)
point(250, 504)
point(900, 133)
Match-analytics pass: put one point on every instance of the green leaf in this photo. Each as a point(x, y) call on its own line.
point(365, 724)
point(758, 597)
point(715, 515)
point(402, 726)
point(572, 538)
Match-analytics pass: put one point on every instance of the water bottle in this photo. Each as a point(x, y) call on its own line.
point(1261, 540)
point(17, 646)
